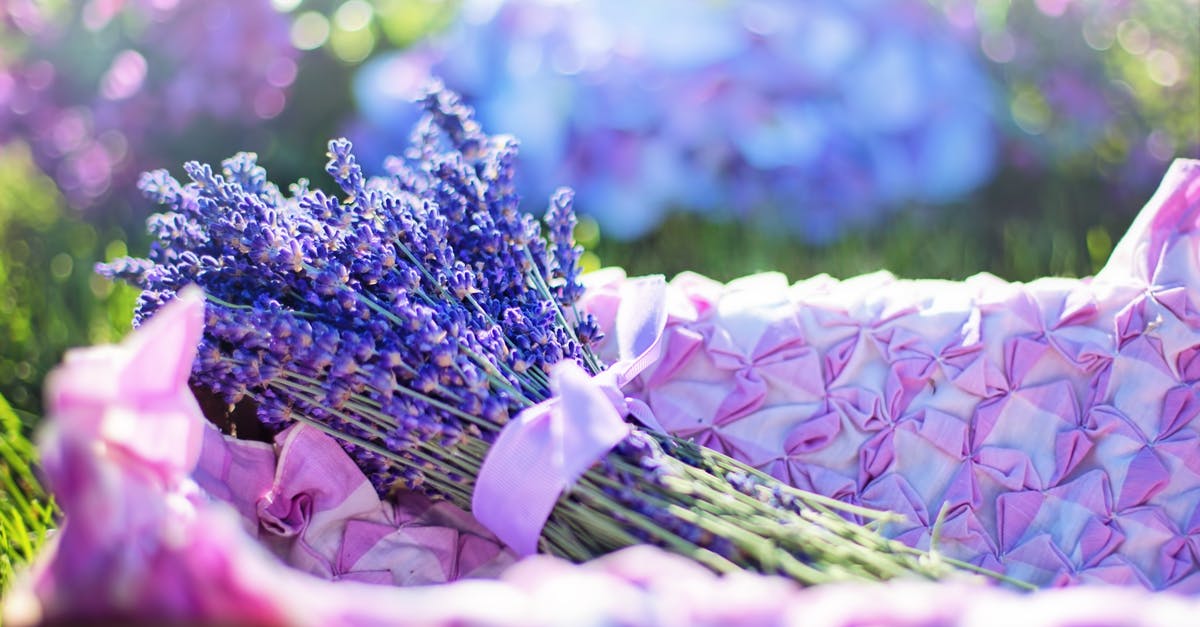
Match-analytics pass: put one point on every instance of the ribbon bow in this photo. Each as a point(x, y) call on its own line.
point(547, 447)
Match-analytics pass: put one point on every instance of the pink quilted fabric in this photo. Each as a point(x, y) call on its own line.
point(1052, 425)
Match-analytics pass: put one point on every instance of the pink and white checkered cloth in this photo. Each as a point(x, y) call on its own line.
point(306, 501)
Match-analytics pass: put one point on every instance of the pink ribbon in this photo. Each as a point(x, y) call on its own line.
point(547, 447)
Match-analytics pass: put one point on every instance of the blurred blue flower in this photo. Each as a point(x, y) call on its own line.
point(825, 115)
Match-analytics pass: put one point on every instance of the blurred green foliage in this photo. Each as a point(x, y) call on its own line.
point(50, 298)
point(27, 513)
point(1049, 228)
point(1161, 72)
point(1096, 85)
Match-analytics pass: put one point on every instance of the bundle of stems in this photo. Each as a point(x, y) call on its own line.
point(411, 318)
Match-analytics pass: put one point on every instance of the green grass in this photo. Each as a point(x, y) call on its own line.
point(1018, 228)
point(27, 513)
point(50, 298)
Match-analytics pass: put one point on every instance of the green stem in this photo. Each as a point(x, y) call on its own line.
point(483, 424)
point(674, 542)
point(445, 483)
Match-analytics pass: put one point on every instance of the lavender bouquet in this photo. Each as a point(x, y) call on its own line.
point(416, 315)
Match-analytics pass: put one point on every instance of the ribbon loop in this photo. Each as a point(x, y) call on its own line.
point(547, 447)
point(641, 318)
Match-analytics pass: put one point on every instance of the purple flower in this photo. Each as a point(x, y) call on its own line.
point(393, 291)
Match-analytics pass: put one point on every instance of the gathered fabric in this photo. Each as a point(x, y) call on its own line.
point(1047, 430)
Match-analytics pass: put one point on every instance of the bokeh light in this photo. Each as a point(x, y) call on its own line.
point(310, 30)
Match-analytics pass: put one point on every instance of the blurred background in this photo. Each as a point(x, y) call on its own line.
point(932, 138)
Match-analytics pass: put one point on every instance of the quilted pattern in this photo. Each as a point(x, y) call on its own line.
point(1052, 425)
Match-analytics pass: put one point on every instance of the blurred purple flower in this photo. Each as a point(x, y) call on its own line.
point(826, 115)
point(92, 85)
